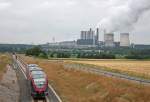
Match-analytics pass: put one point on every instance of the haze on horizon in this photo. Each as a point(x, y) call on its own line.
point(38, 21)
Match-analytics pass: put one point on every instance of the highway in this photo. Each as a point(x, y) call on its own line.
point(25, 95)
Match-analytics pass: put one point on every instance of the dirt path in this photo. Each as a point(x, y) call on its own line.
point(9, 88)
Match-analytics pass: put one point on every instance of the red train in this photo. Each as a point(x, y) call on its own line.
point(38, 81)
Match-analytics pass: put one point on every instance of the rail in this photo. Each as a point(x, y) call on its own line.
point(52, 96)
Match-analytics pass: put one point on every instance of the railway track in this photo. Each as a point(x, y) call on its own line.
point(20, 67)
point(41, 100)
point(23, 84)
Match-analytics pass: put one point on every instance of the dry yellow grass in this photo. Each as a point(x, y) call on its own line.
point(76, 86)
point(139, 68)
point(4, 60)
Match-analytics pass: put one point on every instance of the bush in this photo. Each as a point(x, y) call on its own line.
point(140, 54)
point(90, 55)
point(96, 55)
point(63, 55)
point(36, 51)
point(137, 57)
point(43, 55)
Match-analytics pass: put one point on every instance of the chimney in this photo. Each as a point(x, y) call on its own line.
point(97, 34)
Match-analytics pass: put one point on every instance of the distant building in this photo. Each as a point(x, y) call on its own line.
point(124, 40)
point(67, 43)
point(83, 34)
point(101, 44)
point(90, 34)
point(109, 40)
point(97, 36)
point(88, 37)
point(85, 42)
point(117, 44)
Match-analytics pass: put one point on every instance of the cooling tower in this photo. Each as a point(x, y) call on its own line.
point(124, 40)
point(109, 39)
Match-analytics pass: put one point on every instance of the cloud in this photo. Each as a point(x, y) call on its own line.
point(4, 5)
point(37, 21)
point(124, 16)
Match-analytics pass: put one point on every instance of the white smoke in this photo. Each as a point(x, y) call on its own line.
point(123, 17)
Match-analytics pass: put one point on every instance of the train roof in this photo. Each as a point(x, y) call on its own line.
point(35, 69)
point(32, 65)
point(38, 74)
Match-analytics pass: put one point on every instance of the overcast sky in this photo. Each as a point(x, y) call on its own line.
point(38, 21)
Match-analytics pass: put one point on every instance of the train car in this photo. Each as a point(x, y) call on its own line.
point(32, 65)
point(30, 68)
point(38, 81)
point(33, 69)
point(39, 84)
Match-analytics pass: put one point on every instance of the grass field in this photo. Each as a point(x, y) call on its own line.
point(4, 60)
point(131, 67)
point(76, 86)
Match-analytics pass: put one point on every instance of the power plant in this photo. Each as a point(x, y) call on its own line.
point(124, 40)
point(90, 38)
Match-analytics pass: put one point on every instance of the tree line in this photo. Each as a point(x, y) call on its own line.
point(106, 54)
point(38, 52)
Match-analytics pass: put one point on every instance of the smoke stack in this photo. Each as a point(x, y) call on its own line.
point(97, 34)
point(90, 30)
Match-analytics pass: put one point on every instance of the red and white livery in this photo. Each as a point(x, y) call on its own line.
point(38, 81)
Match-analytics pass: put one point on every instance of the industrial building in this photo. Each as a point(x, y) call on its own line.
point(109, 40)
point(124, 40)
point(97, 37)
point(89, 37)
point(87, 34)
point(67, 43)
point(83, 34)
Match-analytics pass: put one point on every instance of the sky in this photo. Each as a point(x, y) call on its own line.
point(39, 21)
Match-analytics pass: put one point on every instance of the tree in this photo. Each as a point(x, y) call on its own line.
point(43, 55)
point(35, 51)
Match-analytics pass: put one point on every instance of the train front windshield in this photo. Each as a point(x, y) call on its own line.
point(40, 82)
point(39, 78)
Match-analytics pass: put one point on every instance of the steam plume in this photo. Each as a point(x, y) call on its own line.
point(123, 17)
